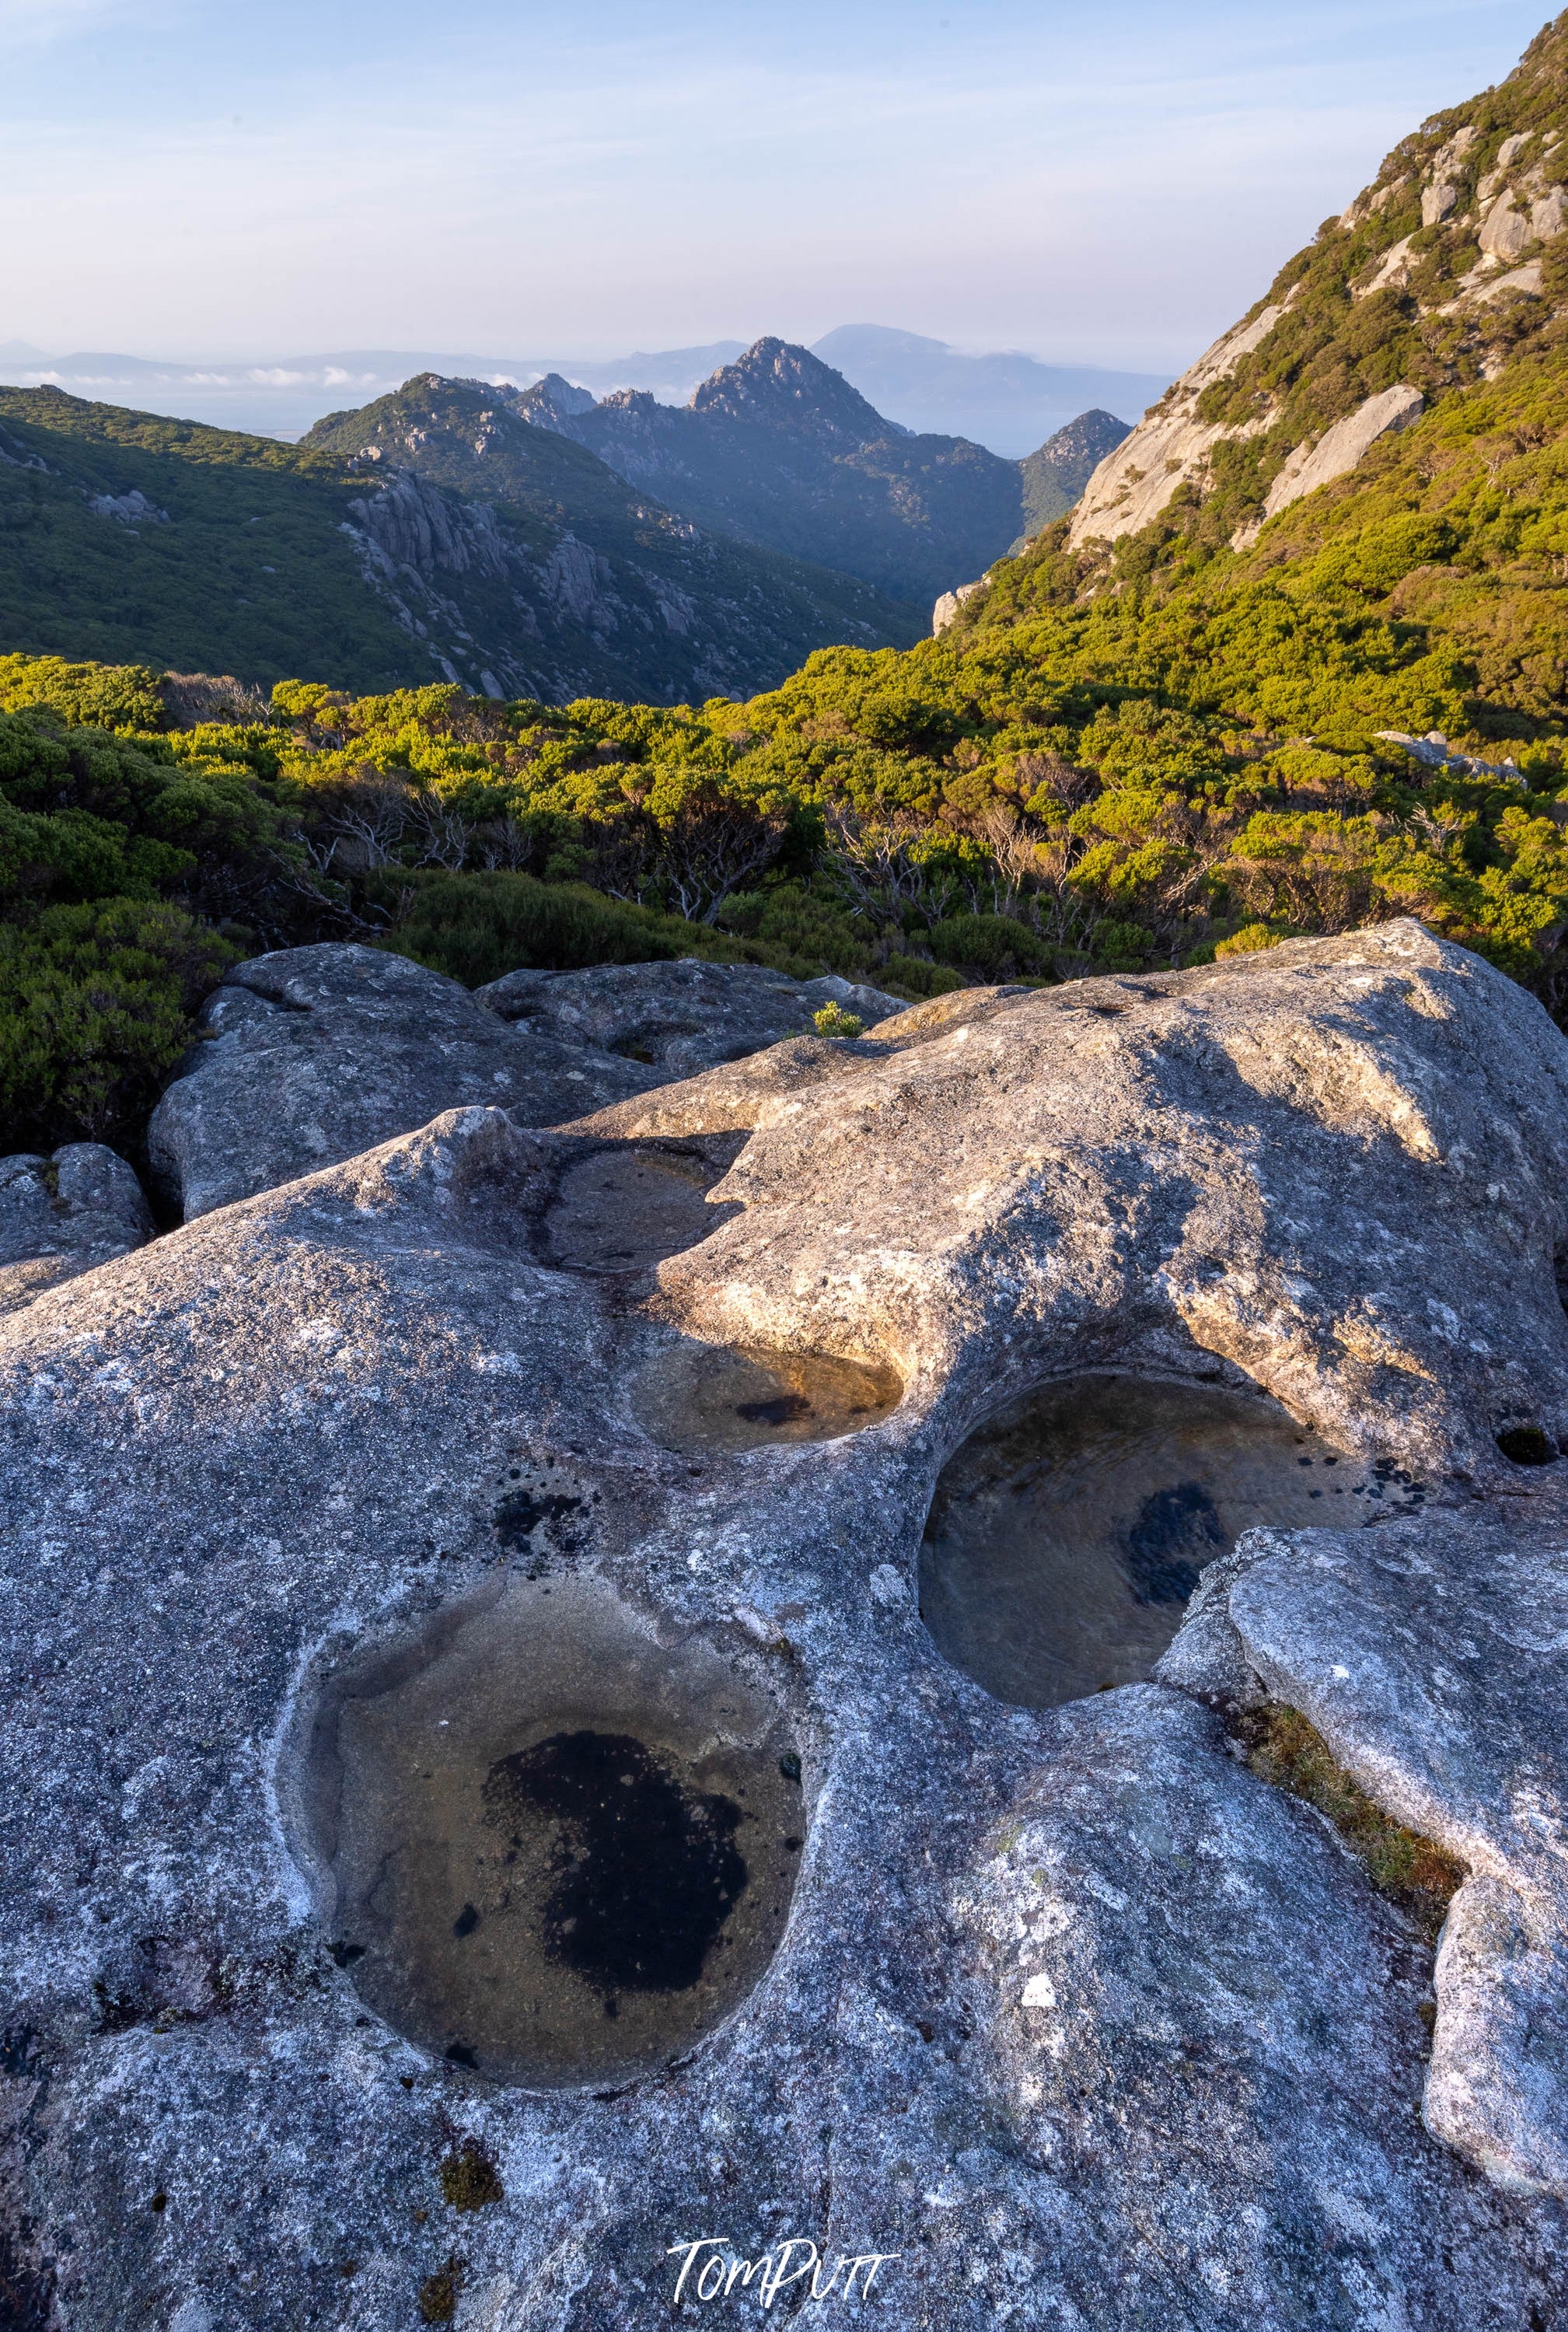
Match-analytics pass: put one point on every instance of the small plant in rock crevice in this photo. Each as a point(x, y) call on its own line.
point(1282, 1747)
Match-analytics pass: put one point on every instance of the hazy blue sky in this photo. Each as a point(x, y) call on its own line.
point(1113, 181)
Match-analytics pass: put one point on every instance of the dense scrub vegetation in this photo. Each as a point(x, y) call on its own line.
point(1144, 777)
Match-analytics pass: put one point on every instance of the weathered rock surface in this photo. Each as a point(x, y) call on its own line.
point(1171, 443)
point(678, 1017)
point(1341, 447)
point(946, 611)
point(1434, 1660)
point(1161, 1945)
point(1071, 2013)
point(1515, 209)
point(314, 1054)
point(63, 1214)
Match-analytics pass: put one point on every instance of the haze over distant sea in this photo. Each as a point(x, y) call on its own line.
point(1008, 401)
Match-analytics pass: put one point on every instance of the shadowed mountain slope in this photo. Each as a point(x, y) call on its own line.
point(778, 449)
point(374, 556)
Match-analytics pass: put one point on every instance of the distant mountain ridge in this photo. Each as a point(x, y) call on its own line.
point(525, 543)
point(537, 573)
point(779, 449)
point(1006, 402)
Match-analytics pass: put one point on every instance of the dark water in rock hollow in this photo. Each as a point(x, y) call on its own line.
point(745, 1397)
point(1067, 1536)
point(562, 1852)
point(627, 1210)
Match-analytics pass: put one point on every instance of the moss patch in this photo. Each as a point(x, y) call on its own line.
point(469, 2178)
point(1283, 1748)
point(439, 2292)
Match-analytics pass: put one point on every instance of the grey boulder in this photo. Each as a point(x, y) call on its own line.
point(64, 1214)
point(312, 1055)
point(1433, 1659)
point(1209, 2038)
point(683, 1016)
point(1070, 2018)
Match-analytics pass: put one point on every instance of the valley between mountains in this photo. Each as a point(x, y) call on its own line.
point(519, 543)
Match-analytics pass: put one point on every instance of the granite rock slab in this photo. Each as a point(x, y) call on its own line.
point(311, 1054)
point(681, 1017)
point(1074, 2021)
point(1433, 1659)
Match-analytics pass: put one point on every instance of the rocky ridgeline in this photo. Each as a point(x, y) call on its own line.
point(1500, 205)
point(1173, 445)
point(376, 1541)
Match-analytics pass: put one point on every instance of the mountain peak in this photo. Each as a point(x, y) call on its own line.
point(552, 400)
point(1057, 473)
point(853, 343)
point(784, 386)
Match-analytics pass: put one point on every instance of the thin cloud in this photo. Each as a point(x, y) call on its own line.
point(41, 23)
point(1066, 186)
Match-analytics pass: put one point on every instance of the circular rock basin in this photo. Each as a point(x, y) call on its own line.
point(746, 1397)
point(556, 1852)
point(625, 1209)
point(1067, 1533)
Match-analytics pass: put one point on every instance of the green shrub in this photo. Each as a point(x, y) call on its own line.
point(988, 947)
point(96, 1006)
point(911, 975)
point(1122, 946)
point(1248, 940)
point(85, 814)
point(808, 931)
point(476, 927)
point(125, 696)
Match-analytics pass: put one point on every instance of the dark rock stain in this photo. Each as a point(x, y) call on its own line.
point(520, 1512)
point(1177, 1532)
point(648, 1871)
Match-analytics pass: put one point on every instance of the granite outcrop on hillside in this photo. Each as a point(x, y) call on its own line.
point(1172, 446)
point(1056, 474)
point(1456, 237)
point(531, 568)
point(1074, 2016)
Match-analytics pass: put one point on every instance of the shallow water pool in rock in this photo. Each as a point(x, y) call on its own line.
point(1067, 1533)
point(555, 1850)
point(749, 1397)
point(626, 1210)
